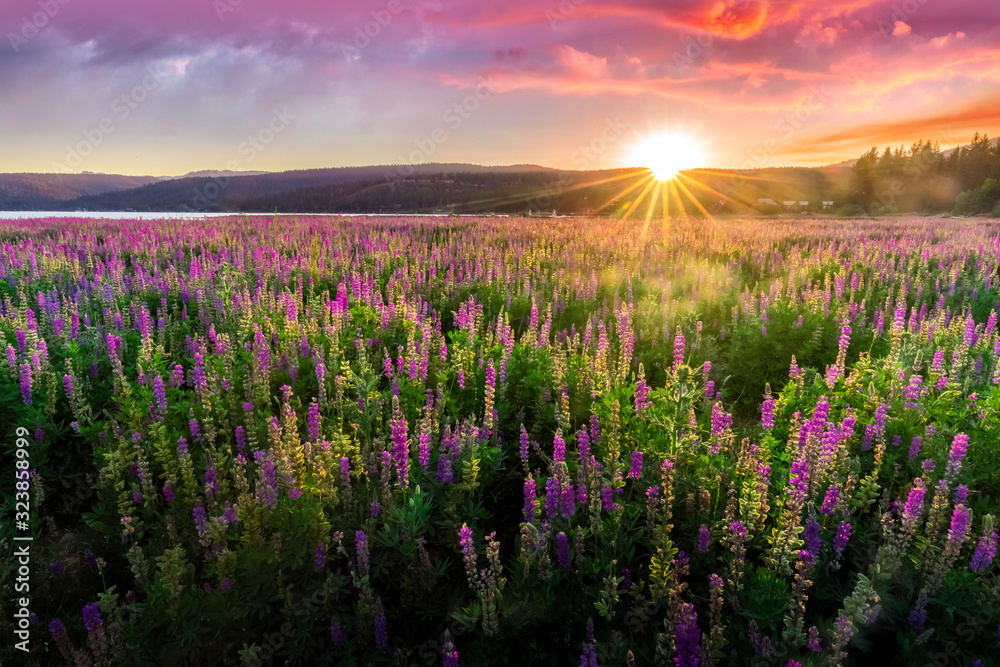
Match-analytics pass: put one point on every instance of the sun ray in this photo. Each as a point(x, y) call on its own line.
point(694, 200)
point(638, 200)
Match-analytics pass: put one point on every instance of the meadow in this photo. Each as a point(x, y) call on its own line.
point(501, 441)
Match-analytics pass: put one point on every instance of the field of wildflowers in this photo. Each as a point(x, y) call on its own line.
point(337, 441)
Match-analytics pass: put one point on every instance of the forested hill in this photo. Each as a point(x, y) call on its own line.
point(922, 178)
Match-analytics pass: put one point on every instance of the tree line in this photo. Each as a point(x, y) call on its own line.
point(923, 178)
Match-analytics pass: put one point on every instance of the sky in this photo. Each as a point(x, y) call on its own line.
point(171, 87)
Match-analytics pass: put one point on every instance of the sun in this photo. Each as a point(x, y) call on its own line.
point(667, 154)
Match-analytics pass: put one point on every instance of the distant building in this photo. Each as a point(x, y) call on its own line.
point(766, 200)
point(803, 204)
point(788, 204)
point(827, 205)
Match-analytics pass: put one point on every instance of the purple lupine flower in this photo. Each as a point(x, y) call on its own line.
point(160, 394)
point(59, 633)
point(68, 386)
point(468, 550)
point(721, 420)
point(211, 481)
point(56, 566)
point(312, 420)
point(182, 446)
point(813, 542)
point(361, 539)
point(881, 419)
point(635, 471)
point(229, 515)
point(959, 447)
point(529, 500)
point(960, 519)
point(400, 450)
point(375, 509)
point(841, 538)
point(738, 532)
point(961, 494)
point(558, 447)
point(813, 641)
point(704, 538)
point(917, 618)
point(767, 414)
point(524, 448)
point(337, 632)
point(345, 471)
point(449, 654)
point(653, 495)
point(583, 448)
point(381, 635)
point(915, 446)
point(710, 389)
point(642, 401)
point(607, 498)
point(568, 500)
point(913, 391)
point(241, 439)
point(562, 550)
point(831, 499)
point(798, 480)
point(986, 551)
point(869, 438)
point(424, 450)
point(92, 617)
point(168, 494)
point(200, 522)
point(678, 349)
point(552, 497)
point(589, 656)
point(688, 637)
point(761, 643)
point(319, 557)
point(25, 378)
point(195, 430)
point(914, 505)
point(444, 471)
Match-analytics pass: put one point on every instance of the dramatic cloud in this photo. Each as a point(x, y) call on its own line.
point(106, 85)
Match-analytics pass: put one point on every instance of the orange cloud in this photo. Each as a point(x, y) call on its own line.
point(737, 19)
point(947, 128)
